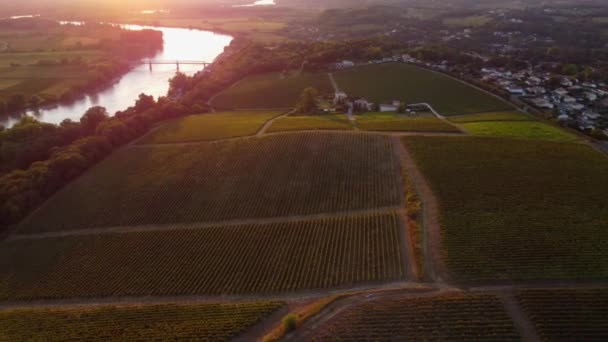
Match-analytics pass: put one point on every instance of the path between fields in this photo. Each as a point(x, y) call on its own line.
point(384, 133)
point(194, 299)
point(433, 253)
point(204, 225)
point(269, 123)
point(520, 319)
point(334, 84)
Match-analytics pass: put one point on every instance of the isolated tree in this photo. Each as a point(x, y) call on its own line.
point(93, 117)
point(570, 69)
point(401, 108)
point(144, 102)
point(307, 103)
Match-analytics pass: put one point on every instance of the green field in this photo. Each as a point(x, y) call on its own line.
point(209, 322)
point(317, 122)
point(401, 122)
point(209, 127)
point(497, 116)
point(518, 209)
point(387, 82)
point(519, 129)
point(567, 314)
point(273, 90)
point(450, 317)
point(269, 258)
point(296, 174)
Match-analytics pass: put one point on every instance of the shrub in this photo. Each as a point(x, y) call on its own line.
point(290, 322)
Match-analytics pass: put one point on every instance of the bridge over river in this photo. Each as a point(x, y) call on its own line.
point(177, 63)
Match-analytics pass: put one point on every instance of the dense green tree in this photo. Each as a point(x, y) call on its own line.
point(93, 117)
point(307, 104)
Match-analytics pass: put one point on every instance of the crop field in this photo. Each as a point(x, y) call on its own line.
point(518, 209)
point(396, 122)
point(206, 127)
point(240, 259)
point(497, 116)
point(275, 176)
point(567, 315)
point(209, 322)
point(519, 129)
point(273, 90)
point(316, 122)
point(454, 317)
point(387, 82)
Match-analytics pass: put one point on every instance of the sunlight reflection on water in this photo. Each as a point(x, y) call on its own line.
point(179, 44)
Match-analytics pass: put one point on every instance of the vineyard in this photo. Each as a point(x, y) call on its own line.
point(208, 322)
point(519, 129)
point(396, 122)
point(568, 315)
point(446, 317)
point(317, 122)
point(280, 257)
point(274, 90)
point(276, 176)
point(383, 83)
point(497, 116)
point(513, 209)
point(206, 127)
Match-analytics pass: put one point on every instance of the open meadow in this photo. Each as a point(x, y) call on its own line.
point(454, 317)
point(272, 90)
point(567, 314)
point(210, 322)
point(239, 259)
point(276, 176)
point(206, 127)
point(384, 83)
point(516, 209)
point(519, 129)
point(402, 122)
point(496, 116)
point(312, 122)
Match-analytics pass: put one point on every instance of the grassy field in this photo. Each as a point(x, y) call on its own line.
point(244, 259)
point(387, 82)
point(567, 315)
point(518, 209)
point(519, 129)
point(273, 90)
point(296, 174)
point(396, 122)
point(209, 127)
point(317, 122)
point(497, 116)
point(450, 317)
point(209, 322)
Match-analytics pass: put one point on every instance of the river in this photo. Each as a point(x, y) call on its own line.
point(179, 44)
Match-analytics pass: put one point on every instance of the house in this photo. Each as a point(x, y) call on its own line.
point(388, 108)
point(569, 99)
point(345, 64)
point(515, 90)
point(591, 96)
point(363, 104)
point(561, 92)
point(533, 81)
point(340, 97)
point(536, 90)
point(575, 106)
point(566, 82)
point(542, 103)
